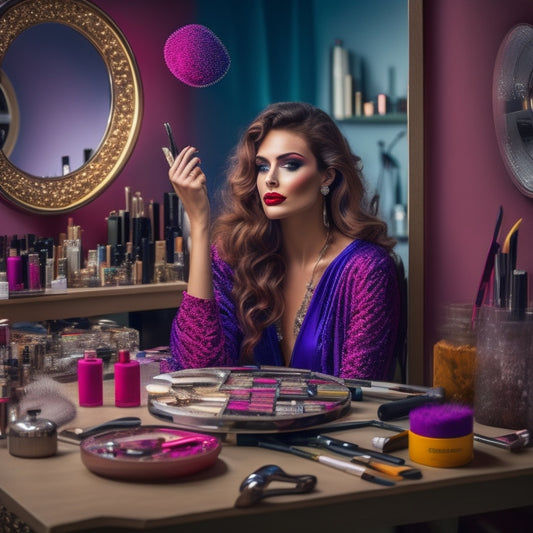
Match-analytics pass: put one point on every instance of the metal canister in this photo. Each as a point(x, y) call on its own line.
point(32, 436)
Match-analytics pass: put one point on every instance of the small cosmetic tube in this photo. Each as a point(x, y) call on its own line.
point(382, 104)
point(90, 380)
point(127, 381)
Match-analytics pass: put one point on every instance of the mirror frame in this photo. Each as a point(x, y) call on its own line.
point(69, 192)
point(416, 364)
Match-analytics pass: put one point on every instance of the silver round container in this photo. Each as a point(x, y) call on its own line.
point(32, 436)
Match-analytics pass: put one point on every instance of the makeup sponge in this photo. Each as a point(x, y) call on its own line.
point(196, 56)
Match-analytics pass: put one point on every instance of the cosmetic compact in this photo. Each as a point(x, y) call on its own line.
point(32, 436)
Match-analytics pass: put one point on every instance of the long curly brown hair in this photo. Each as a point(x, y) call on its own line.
point(251, 243)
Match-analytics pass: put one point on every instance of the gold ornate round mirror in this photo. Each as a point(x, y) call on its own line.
point(74, 189)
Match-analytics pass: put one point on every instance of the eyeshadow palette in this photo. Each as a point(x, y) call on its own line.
point(247, 399)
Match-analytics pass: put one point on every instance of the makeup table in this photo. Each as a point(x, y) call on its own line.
point(59, 494)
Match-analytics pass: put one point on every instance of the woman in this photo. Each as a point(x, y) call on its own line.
point(294, 271)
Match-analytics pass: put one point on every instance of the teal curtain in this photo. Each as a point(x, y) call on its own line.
point(272, 50)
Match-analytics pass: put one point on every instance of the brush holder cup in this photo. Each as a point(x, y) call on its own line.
point(504, 353)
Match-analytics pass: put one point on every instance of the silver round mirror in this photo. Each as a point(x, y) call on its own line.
point(512, 105)
point(94, 161)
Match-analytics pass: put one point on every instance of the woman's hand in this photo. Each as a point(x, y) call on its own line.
point(189, 183)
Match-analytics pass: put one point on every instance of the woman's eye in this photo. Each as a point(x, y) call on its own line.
point(261, 168)
point(292, 164)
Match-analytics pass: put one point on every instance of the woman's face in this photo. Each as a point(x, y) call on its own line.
point(288, 179)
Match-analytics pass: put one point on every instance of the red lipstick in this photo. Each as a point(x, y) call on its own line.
point(273, 198)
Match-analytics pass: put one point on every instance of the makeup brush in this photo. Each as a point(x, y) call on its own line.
point(344, 466)
point(196, 56)
point(489, 265)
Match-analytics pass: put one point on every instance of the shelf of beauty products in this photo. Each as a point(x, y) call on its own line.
point(388, 118)
point(93, 301)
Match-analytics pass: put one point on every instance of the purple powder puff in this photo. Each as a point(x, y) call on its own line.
point(442, 421)
point(196, 56)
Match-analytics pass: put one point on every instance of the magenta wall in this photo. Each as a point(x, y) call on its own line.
point(466, 180)
point(146, 27)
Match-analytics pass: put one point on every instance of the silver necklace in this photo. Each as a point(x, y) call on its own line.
point(310, 289)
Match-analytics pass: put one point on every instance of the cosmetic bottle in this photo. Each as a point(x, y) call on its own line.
point(177, 268)
point(126, 271)
point(14, 273)
point(127, 381)
point(160, 270)
point(65, 165)
point(339, 72)
point(92, 268)
point(25, 375)
point(454, 355)
point(5, 332)
point(90, 380)
point(34, 272)
point(4, 285)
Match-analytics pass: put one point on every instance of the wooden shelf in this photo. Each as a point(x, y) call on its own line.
point(390, 118)
point(93, 302)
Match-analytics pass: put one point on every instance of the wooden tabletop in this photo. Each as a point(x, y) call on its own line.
point(59, 494)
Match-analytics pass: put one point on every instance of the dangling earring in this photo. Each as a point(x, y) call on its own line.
point(324, 190)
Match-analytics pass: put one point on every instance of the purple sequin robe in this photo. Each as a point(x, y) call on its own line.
point(349, 330)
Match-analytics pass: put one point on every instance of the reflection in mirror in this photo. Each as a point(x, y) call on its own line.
point(62, 86)
point(119, 123)
point(9, 115)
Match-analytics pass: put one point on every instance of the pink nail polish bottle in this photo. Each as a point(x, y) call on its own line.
point(90, 380)
point(127, 381)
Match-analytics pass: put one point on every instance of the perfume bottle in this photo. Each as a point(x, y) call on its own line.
point(127, 381)
point(90, 380)
point(177, 268)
